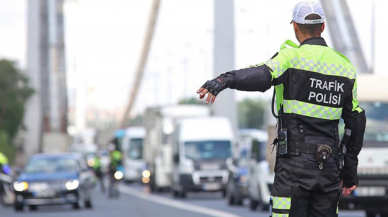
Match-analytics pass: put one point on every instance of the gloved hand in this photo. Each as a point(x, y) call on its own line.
point(213, 88)
point(349, 177)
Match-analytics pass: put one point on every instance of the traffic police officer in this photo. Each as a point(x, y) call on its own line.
point(315, 86)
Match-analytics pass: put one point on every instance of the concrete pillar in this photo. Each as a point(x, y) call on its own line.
point(380, 36)
point(33, 115)
point(225, 104)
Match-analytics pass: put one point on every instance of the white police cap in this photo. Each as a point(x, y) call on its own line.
point(303, 9)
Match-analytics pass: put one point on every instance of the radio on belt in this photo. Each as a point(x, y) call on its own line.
point(281, 140)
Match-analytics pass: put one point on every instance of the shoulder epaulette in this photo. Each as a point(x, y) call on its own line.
point(289, 43)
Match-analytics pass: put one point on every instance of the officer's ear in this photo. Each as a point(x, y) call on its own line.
point(296, 28)
point(323, 27)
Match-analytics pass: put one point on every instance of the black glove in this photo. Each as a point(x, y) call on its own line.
point(216, 85)
point(349, 177)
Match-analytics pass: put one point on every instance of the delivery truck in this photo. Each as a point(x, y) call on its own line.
point(159, 125)
point(371, 193)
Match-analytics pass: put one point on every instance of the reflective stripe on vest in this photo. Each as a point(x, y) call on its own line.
point(281, 203)
point(311, 110)
point(279, 215)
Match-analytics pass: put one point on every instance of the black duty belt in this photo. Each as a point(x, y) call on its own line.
point(307, 148)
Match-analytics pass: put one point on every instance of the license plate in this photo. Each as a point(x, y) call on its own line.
point(210, 166)
point(47, 193)
point(369, 191)
point(211, 186)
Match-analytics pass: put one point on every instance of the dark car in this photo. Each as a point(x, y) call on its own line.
point(237, 188)
point(54, 180)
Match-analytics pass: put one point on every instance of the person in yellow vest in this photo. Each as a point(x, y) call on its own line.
point(4, 168)
point(115, 159)
point(98, 172)
point(115, 162)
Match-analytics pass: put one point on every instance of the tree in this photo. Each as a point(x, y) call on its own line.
point(251, 113)
point(136, 121)
point(192, 101)
point(14, 92)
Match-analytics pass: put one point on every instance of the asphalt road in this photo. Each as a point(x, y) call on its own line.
point(135, 201)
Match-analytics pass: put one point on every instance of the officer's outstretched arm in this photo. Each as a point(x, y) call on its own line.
point(355, 120)
point(255, 78)
point(260, 77)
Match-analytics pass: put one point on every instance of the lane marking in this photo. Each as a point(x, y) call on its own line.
point(174, 203)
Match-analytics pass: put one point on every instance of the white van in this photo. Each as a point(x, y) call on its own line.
point(132, 153)
point(201, 147)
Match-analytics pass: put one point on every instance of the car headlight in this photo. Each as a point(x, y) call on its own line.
point(119, 175)
point(20, 186)
point(72, 184)
point(145, 180)
point(146, 174)
point(91, 162)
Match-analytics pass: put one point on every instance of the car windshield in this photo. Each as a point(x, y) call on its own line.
point(243, 160)
point(197, 150)
point(135, 150)
point(51, 165)
point(377, 121)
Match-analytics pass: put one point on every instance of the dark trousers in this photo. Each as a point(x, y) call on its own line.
point(301, 189)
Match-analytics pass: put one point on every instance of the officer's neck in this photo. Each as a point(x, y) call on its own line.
point(303, 38)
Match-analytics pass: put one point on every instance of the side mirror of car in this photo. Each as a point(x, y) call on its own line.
point(255, 155)
point(176, 158)
point(235, 161)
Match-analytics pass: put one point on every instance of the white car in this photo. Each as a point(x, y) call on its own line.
point(260, 178)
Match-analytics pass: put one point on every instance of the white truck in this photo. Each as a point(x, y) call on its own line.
point(201, 147)
point(371, 193)
point(157, 150)
point(132, 153)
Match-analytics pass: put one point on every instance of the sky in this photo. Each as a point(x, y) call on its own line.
point(13, 38)
point(104, 37)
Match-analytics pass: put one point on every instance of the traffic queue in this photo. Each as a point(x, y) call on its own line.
point(170, 152)
point(173, 153)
